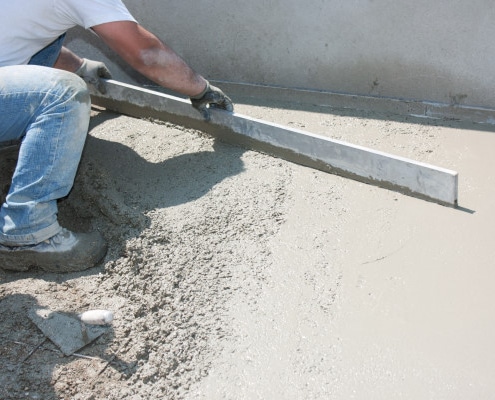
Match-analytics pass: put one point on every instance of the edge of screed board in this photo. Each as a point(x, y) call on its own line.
point(399, 174)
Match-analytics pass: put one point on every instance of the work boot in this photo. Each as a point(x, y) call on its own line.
point(64, 252)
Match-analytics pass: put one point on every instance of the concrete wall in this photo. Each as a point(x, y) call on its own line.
point(440, 50)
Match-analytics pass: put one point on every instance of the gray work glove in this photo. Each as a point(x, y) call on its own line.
point(92, 72)
point(211, 97)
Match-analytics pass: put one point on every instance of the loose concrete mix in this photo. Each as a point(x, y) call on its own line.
point(235, 275)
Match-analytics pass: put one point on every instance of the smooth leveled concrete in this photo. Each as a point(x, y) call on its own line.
point(356, 162)
point(255, 94)
point(440, 51)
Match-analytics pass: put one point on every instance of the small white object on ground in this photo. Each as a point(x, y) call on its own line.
point(96, 317)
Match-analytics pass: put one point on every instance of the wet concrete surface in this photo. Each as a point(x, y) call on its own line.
point(236, 275)
point(371, 294)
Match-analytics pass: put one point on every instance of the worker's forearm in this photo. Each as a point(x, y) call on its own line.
point(164, 67)
point(68, 61)
point(147, 54)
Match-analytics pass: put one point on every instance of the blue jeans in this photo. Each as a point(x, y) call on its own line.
point(48, 110)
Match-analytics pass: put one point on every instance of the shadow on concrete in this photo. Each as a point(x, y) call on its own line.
point(116, 187)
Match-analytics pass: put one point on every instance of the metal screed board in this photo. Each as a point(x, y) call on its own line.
point(359, 163)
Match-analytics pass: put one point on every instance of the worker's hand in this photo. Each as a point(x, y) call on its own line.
point(211, 97)
point(93, 72)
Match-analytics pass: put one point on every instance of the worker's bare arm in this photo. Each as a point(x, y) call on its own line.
point(68, 61)
point(147, 54)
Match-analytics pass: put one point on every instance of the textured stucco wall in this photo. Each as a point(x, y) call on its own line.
point(425, 50)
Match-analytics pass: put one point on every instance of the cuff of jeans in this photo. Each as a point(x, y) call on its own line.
point(30, 238)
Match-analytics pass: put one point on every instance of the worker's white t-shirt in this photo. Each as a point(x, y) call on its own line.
point(27, 26)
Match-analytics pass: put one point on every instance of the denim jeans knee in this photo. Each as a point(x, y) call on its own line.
point(49, 110)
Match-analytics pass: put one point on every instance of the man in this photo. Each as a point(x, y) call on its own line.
point(45, 104)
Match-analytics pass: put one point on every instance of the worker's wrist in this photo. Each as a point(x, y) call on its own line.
point(203, 92)
point(79, 69)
